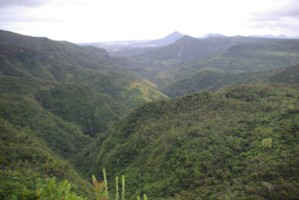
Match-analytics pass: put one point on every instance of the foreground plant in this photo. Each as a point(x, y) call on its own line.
point(101, 188)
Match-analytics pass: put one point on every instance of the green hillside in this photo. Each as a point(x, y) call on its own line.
point(188, 56)
point(211, 80)
point(287, 75)
point(55, 98)
point(68, 111)
point(35, 144)
point(239, 143)
point(91, 88)
point(258, 56)
point(26, 161)
point(65, 62)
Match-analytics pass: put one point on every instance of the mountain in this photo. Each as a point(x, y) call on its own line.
point(187, 48)
point(67, 111)
point(188, 56)
point(238, 143)
point(35, 143)
point(86, 71)
point(126, 48)
point(55, 98)
point(167, 40)
point(289, 75)
point(211, 80)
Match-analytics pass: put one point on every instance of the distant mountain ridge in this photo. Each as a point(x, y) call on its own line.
point(211, 80)
point(167, 40)
point(188, 55)
point(114, 47)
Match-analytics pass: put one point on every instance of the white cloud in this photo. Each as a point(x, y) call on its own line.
point(102, 20)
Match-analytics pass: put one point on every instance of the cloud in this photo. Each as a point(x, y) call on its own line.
point(281, 18)
point(283, 8)
point(290, 9)
point(95, 20)
point(29, 3)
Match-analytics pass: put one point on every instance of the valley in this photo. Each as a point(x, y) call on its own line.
point(180, 117)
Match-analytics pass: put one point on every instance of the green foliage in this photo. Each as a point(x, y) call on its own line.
point(81, 105)
point(224, 145)
point(100, 188)
point(18, 184)
point(144, 197)
point(211, 80)
point(51, 190)
point(53, 97)
point(122, 187)
point(25, 158)
point(288, 75)
point(267, 143)
point(237, 143)
point(63, 62)
point(105, 183)
point(116, 188)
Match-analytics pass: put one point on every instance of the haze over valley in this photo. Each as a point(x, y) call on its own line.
point(210, 111)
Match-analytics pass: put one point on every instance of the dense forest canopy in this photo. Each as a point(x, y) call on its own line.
point(209, 118)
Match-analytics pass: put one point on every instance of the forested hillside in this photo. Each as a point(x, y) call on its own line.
point(55, 98)
point(238, 143)
point(91, 88)
point(189, 56)
point(211, 80)
point(67, 111)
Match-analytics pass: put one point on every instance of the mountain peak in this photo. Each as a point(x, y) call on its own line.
point(186, 38)
point(175, 35)
point(169, 39)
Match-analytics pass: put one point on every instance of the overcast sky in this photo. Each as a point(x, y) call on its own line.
point(114, 20)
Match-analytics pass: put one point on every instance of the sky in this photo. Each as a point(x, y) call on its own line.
point(116, 20)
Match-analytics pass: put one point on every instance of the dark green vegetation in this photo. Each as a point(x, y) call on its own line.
point(91, 88)
point(211, 80)
point(288, 75)
point(54, 98)
point(239, 143)
point(67, 111)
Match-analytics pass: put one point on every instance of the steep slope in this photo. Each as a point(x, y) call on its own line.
point(288, 75)
point(88, 76)
point(35, 143)
point(75, 103)
point(211, 80)
point(26, 161)
point(55, 98)
point(239, 143)
point(257, 55)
